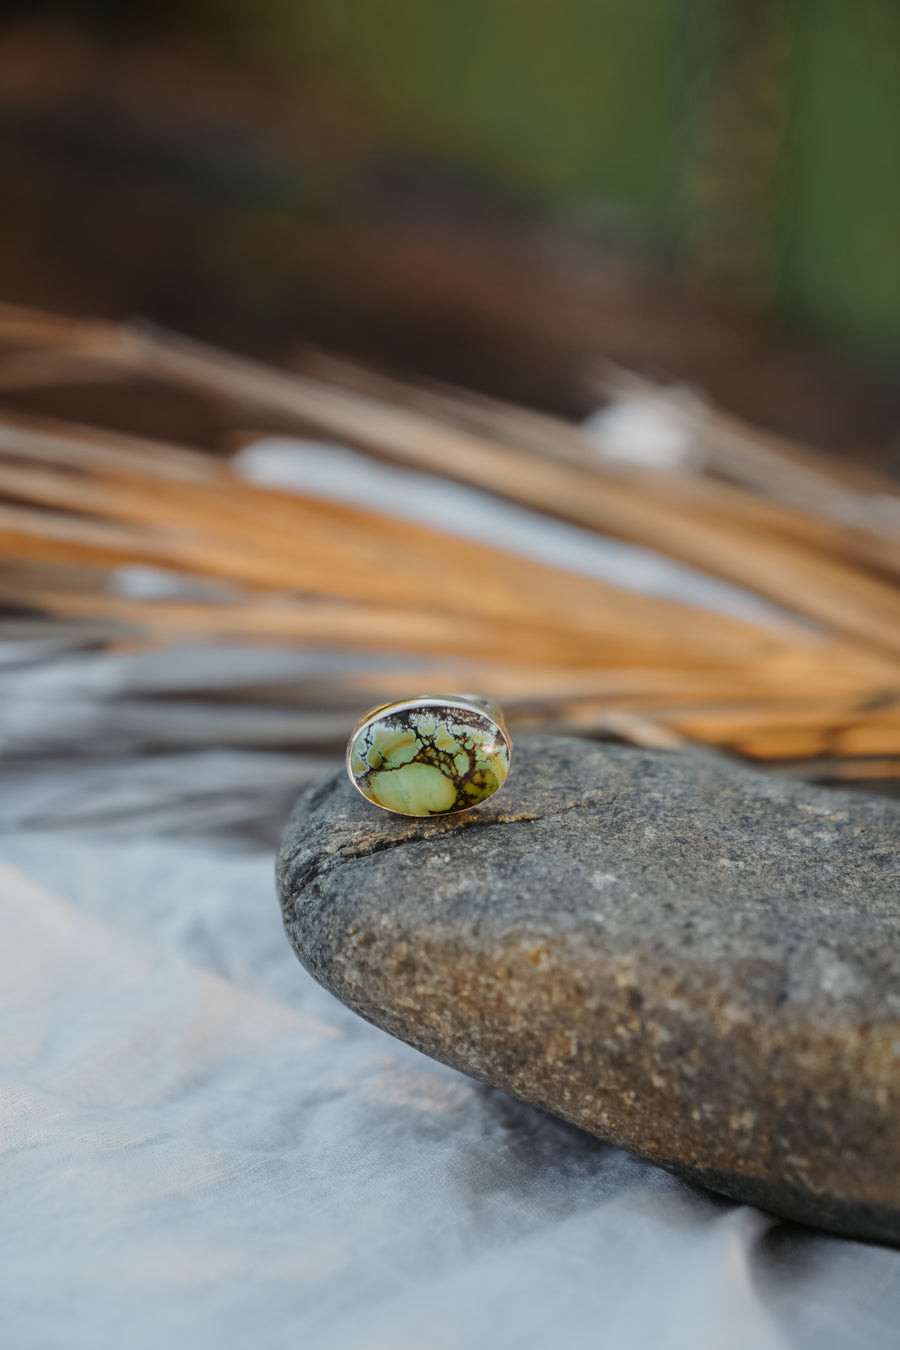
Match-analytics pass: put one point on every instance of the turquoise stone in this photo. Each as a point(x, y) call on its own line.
point(429, 757)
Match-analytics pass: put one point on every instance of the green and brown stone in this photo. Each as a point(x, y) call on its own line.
point(429, 759)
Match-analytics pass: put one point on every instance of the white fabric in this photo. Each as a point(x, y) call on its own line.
point(202, 1149)
point(650, 429)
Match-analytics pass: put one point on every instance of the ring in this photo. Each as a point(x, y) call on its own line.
point(430, 756)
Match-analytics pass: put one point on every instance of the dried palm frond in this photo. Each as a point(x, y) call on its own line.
point(391, 602)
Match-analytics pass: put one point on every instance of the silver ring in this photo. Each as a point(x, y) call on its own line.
point(430, 756)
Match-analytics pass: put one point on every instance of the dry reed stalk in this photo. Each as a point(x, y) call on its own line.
point(290, 542)
point(596, 617)
point(568, 651)
point(381, 630)
point(877, 769)
point(335, 624)
point(764, 461)
point(552, 438)
point(815, 584)
point(94, 449)
point(691, 688)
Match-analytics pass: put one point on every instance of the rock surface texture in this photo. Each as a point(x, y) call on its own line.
point(694, 961)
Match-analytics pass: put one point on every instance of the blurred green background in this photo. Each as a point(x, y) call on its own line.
point(490, 192)
point(752, 145)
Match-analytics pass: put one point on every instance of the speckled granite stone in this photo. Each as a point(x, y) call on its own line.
point(697, 962)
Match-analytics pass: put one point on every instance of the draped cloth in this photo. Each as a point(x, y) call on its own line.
point(201, 1148)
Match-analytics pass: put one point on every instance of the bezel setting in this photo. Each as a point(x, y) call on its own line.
point(430, 755)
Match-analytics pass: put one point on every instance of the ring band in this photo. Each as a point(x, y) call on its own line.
point(430, 756)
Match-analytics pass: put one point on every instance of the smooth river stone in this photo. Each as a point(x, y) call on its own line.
point(692, 960)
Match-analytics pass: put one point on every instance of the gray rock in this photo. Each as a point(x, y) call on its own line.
point(694, 961)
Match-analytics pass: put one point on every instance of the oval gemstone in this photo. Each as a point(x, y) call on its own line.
point(429, 758)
